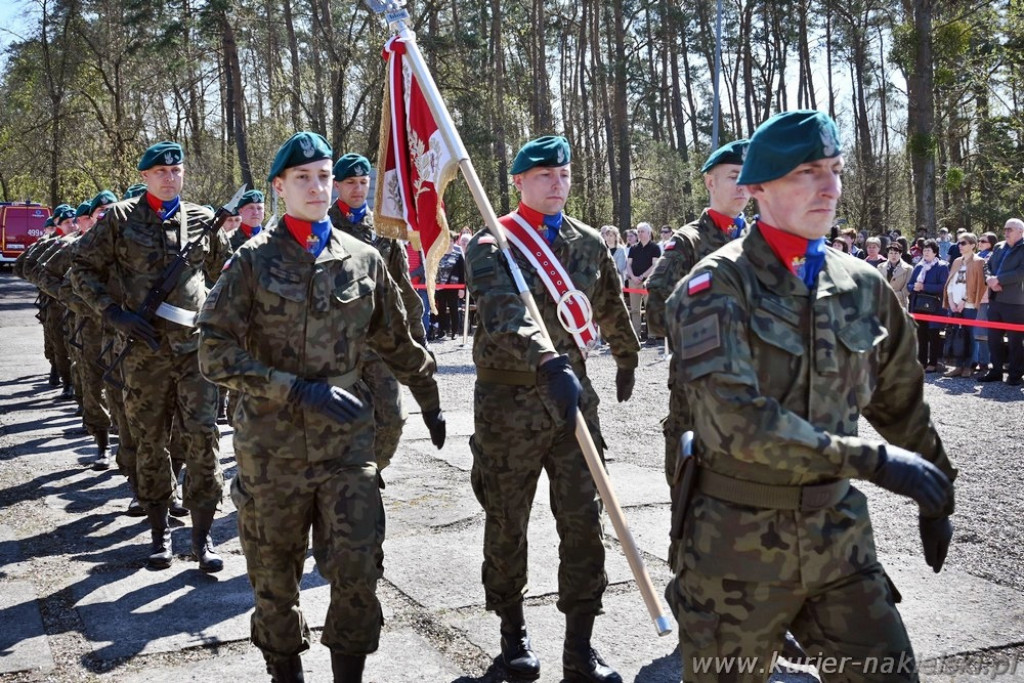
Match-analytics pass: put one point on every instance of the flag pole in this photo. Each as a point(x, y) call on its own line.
point(396, 15)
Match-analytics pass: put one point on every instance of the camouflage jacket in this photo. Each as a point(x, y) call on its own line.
point(123, 255)
point(777, 377)
point(507, 338)
point(396, 260)
point(51, 265)
point(29, 259)
point(689, 244)
point(277, 314)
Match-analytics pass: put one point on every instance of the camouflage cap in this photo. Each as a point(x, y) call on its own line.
point(730, 153)
point(301, 148)
point(549, 150)
point(135, 190)
point(84, 209)
point(164, 153)
point(103, 199)
point(787, 140)
point(350, 165)
point(250, 197)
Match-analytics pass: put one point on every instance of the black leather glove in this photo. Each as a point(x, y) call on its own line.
point(334, 402)
point(559, 383)
point(936, 532)
point(131, 325)
point(434, 419)
point(908, 474)
point(624, 383)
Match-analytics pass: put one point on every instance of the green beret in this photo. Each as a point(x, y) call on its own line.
point(62, 213)
point(731, 153)
point(83, 209)
point(135, 190)
point(103, 199)
point(549, 150)
point(250, 197)
point(787, 140)
point(49, 222)
point(162, 154)
point(351, 165)
point(301, 148)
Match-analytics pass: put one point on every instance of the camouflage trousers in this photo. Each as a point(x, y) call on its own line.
point(126, 448)
point(94, 407)
point(813, 573)
point(515, 437)
point(52, 329)
point(388, 413)
point(279, 500)
point(159, 387)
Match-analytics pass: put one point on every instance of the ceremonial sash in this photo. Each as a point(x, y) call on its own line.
point(573, 307)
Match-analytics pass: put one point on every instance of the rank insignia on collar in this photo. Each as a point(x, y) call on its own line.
point(699, 283)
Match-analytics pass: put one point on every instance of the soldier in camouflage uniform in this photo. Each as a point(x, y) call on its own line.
point(720, 223)
point(783, 343)
point(287, 326)
point(525, 403)
point(53, 315)
point(85, 337)
point(351, 215)
point(114, 270)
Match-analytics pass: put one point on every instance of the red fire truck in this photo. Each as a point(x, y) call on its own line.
point(21, 224)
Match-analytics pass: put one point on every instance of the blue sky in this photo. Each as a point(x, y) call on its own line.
point(15, 20)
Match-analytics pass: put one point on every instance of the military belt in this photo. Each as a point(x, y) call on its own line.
point(808, 498)
point(514, 377)
point(344, 381)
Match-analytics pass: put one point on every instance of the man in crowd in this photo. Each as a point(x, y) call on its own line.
point(640, 262)
point(1004, 275)
point(117, 266)
point(529, 389)
point(782, 349)
point(305, 427)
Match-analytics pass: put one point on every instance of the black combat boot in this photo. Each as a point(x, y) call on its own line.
point(161, 556)
point(580, 662)
point(177, 508)
point(286, 670)
point(202, 542)
point(102, 461)
point(54, 377)
point(516, 649)
point(347, 668)
point(67, 393)
point(135, 508)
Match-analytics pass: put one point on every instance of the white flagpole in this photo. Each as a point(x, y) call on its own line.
point(396, 16)
point(465, 316)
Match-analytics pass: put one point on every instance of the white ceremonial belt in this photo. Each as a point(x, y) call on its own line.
point(181, 316)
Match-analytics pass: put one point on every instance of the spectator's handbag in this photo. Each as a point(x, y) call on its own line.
point(957, 337)
point(925, 303)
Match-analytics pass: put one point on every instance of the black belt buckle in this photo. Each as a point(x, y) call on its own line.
point(819, 496)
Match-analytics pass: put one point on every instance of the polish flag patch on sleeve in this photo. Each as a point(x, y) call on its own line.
point(671, 246)
point(699, 283)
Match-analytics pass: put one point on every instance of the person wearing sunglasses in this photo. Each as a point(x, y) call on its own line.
point(964, 289)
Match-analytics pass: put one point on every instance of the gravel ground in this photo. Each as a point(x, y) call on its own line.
point(980, 425)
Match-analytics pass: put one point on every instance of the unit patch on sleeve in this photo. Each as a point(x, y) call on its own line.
point(701, 336)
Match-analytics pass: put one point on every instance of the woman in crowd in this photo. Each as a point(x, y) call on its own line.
point(873, 247)
point(896, 272)
point(962, 296)
point(611, 237)
point(986, 242)
point(927, 283)
point(840, 244)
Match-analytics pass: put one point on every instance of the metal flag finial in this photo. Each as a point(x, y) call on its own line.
point(393, 10)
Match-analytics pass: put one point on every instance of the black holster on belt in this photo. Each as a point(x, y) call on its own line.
point(683, 484)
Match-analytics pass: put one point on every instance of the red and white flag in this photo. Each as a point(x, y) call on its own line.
point(414, 166)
